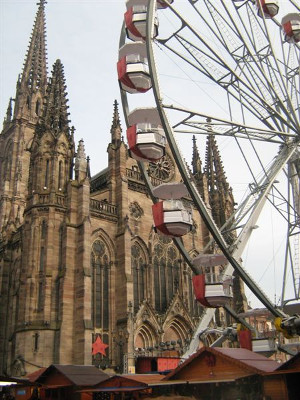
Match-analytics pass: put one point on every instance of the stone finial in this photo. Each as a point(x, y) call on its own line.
point(81, 162)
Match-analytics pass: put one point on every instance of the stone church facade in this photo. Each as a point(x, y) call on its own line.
point(79, 257)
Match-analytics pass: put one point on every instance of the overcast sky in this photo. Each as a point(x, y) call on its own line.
point(84, 34)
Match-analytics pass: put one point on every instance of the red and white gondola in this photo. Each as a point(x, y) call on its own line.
point(133, 70)
point(267, 8)
point(170, 216)
point(145, 136)
point(211, 289)
point(136, 20)
point(291, 27)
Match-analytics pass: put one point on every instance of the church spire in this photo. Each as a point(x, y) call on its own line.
point(196, 161)
point(197, 168)
point(55, 115)
point(116, 125)
point(33, 79)
point(34, 74)
point(220, 193)
point(7, 119)
point(81, 162)
point(52, 149)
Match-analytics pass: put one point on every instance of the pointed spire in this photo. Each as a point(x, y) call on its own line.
point(116, 125)
point(88, 169)
point(34, 76)
point(196, 161)
point(55, 115)
point(8, 112)
point(197, 168)
point(80, 162)
point(220, 193)
point(213, 165)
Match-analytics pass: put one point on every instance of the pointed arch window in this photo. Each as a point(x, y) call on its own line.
point(138, 264)
point(166, 275)
point(101, 283)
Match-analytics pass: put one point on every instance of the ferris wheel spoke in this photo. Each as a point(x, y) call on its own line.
point(224, 127)
point(296, 4)
point(265, 95)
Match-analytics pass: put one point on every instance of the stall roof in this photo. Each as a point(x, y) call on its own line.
point(149, 379)
point(117, 383)
point(246, 359)
point(292, 364)
point(78, 375)
point(249, 358)
point(36, 374)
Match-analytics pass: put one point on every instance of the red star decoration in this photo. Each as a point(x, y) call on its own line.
point(99, 347)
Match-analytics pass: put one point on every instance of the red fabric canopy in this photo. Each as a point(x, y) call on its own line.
point(129, 24)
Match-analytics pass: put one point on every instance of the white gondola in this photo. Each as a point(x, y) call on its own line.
point(267, 8)
point(145, 136)
point(265, 346)
point(133, 70)
point(136, 20)
point(291, 27)
point(212, 289)
point(170, 216)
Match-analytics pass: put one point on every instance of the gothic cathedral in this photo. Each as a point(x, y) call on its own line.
point(79, 258)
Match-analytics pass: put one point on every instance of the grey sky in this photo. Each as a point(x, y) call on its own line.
point(84, 35)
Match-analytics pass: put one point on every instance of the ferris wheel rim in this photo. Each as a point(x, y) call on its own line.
point(162, 106)
point(182, 169)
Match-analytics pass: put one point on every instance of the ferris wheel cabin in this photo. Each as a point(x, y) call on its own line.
point(170, 216)
point(267, 8)
point(136, 20)
point(145, 136)
point(133, 70)
point(291, 27)
point(212, 289)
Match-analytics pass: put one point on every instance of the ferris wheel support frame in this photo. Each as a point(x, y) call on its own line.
point(198, 202)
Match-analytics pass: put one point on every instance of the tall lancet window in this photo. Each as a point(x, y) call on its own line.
point(101, 282)
point(60, 175)
point(166, 275)
point(42, 266)
point(138, 264)
point(47, 174)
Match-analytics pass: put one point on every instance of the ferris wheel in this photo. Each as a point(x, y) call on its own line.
point(231, 69)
